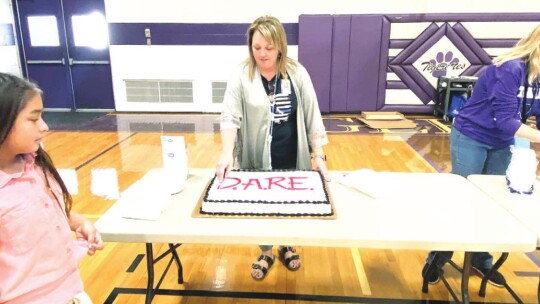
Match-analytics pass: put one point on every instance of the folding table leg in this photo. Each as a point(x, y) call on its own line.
point(465, 277)
point(488, 275)
point(150, 269)
point(176, 258)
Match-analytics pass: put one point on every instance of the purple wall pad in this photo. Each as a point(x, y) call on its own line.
point(468, 17)
point(497, 43)
point(315, 33)
point(427, 43)
point(396, 85)
point(188, 33)
point(340, 63)
point(472, 70)
point(467, 45)
point(468, 42)
point(420, 40)
point(471, 50)
point(402, 64)
point(399, 43)
point(364, 62)
point(422, 83)
point(6, 30)
point(411, 83)
point(484, 43)
point(464, 48)
point(383, 64)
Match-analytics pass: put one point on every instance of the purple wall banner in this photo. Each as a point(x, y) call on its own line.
point(344, 70)
point(465, 17)
point(360, 60)
point(365, 56)
point(339, 69)
point(317, 60)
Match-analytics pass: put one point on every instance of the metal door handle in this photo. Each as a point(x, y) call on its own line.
point(62, 62)
point(72, 62)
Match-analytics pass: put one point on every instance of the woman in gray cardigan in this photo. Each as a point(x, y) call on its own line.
point(271, 120)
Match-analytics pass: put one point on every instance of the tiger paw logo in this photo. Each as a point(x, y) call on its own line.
point(442, 64)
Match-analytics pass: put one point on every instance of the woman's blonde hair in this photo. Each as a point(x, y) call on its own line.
point(273, 31)
point(527, 49)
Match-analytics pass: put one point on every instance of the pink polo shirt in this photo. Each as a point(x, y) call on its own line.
point(37, 262)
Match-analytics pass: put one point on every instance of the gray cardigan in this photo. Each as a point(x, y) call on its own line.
point(246, 108)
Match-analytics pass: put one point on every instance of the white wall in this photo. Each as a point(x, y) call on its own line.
point(9, 55)
point(200, 64)
point(245, 11)
point(6, 15)
point(204, 64)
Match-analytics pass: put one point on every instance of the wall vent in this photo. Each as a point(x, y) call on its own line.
point(159, 91)
point(218, 91)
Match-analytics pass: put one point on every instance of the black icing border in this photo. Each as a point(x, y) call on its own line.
point(270, 214)
point(325, 190)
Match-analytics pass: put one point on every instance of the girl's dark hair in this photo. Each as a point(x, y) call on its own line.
point(15, 93)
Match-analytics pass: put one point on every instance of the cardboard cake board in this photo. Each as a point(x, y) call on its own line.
point(389, 124)
point(382, 115)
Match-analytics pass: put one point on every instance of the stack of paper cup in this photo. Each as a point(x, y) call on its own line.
point(175, 162)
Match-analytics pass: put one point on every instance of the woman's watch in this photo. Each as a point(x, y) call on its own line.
point(318, 155)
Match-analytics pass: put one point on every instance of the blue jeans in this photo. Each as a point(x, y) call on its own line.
point(472, 157)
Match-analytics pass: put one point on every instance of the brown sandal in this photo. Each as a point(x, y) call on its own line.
point(287, 261)
point(264, 270)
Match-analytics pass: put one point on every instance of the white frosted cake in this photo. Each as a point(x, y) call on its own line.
point(268, 193)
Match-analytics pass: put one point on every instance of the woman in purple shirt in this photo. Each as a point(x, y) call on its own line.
point(505, 95)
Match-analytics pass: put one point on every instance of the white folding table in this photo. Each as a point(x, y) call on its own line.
point(420, 211)
point(526, 208)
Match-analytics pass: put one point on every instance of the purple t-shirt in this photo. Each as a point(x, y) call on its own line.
point(492, 115)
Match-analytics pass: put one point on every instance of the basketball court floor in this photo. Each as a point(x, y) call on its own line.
point(102, 154)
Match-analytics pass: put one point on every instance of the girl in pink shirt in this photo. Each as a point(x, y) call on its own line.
point(38, 255)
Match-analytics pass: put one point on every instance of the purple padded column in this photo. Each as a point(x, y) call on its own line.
point(340, 63)
point(315, 53)
point(383, 63)
point(364, 62)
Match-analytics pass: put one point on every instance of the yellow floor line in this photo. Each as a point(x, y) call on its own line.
point(362, 278)
point(439, 124)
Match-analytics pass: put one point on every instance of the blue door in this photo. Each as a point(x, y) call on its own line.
point(65, 49)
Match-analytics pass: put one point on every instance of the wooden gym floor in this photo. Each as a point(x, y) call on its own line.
point(109, 152)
